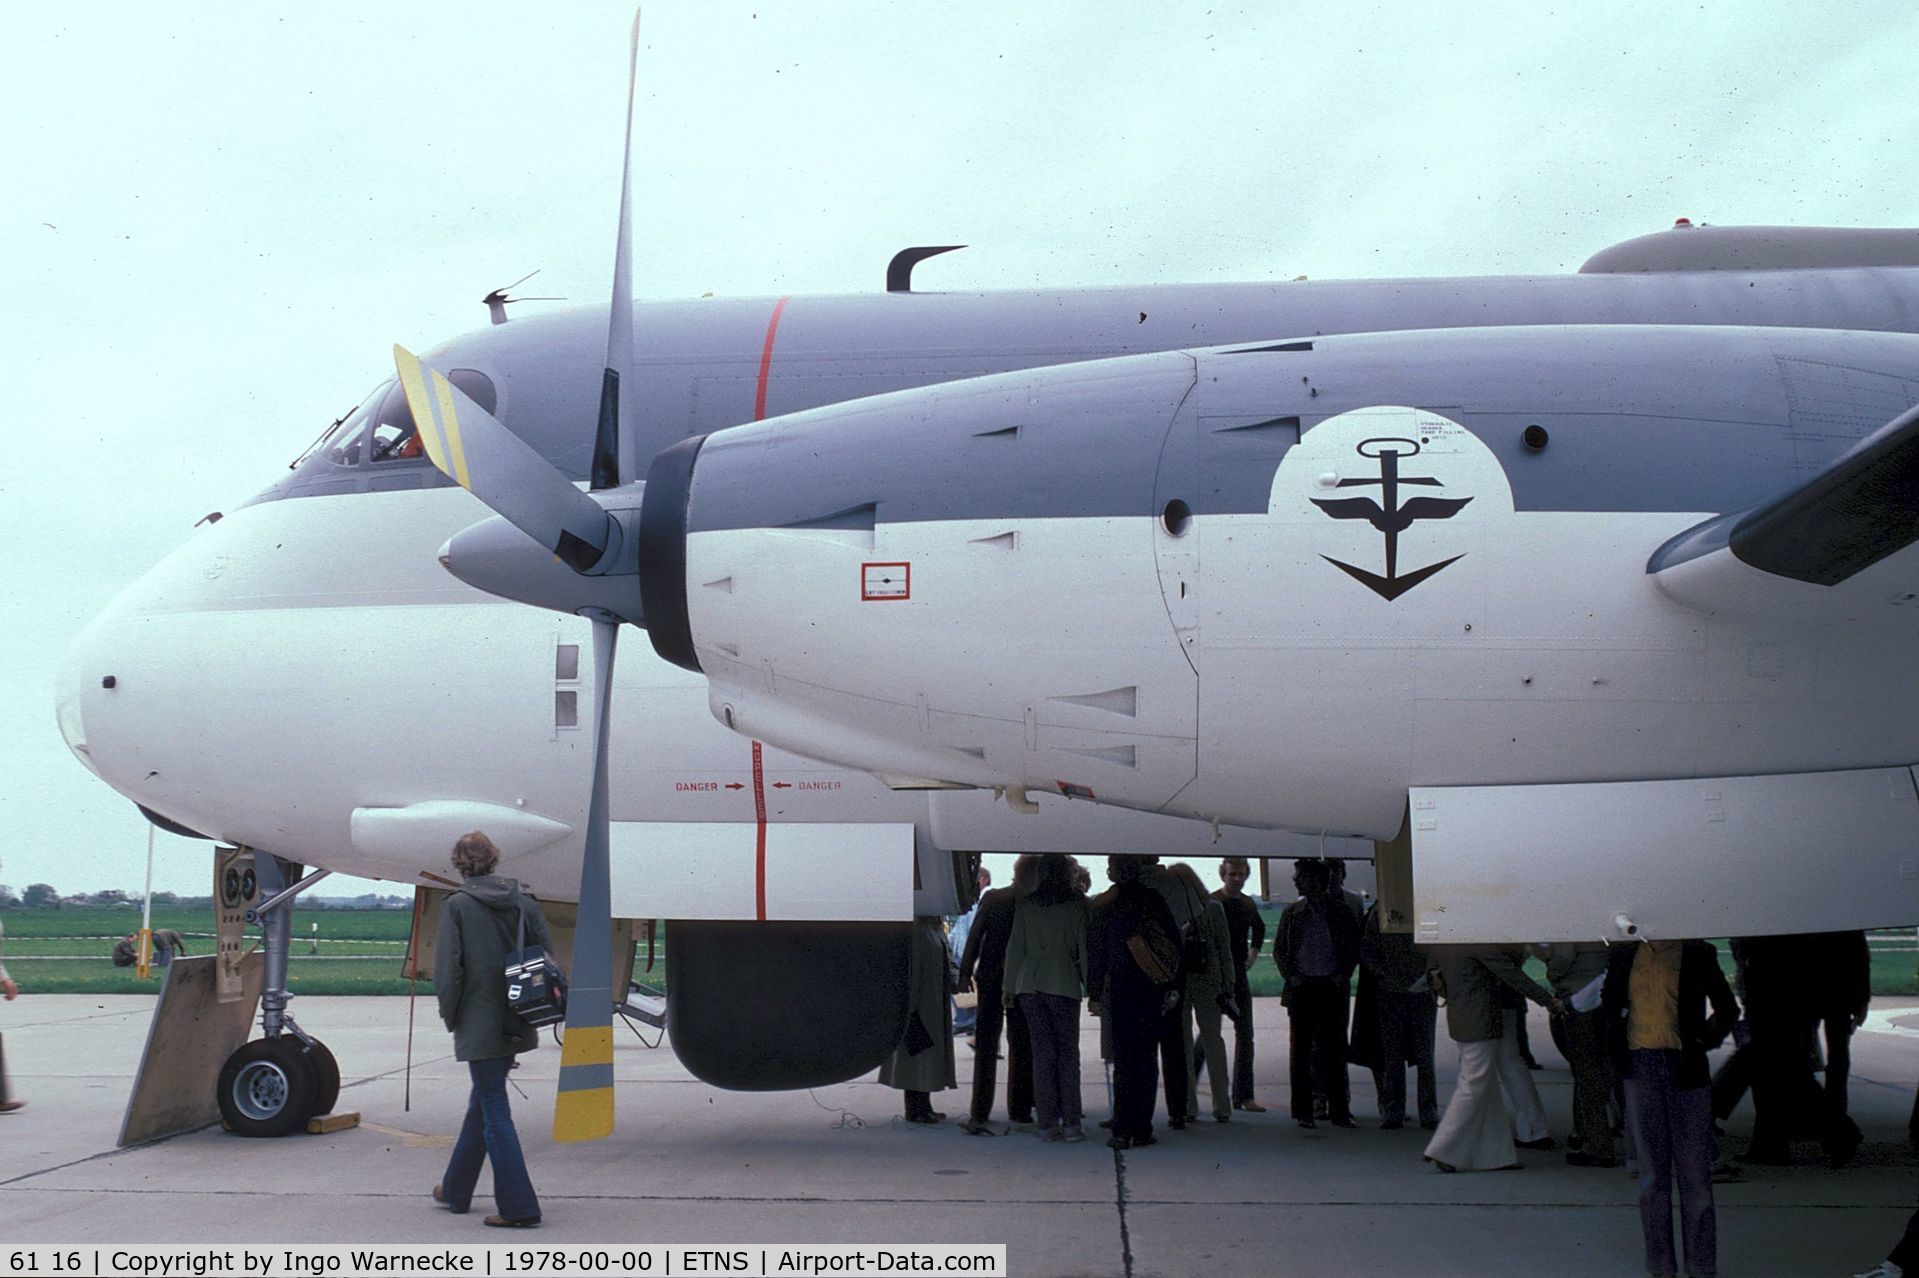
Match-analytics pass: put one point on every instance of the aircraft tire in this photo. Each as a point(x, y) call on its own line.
point(326, 1093)
point(268, 1087)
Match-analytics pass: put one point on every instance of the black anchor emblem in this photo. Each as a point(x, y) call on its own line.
point(1389, 516)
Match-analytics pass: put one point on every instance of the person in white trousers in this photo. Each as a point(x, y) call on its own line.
point(1478, 1132)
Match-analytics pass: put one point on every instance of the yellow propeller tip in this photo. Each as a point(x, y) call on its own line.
point(583, 1115)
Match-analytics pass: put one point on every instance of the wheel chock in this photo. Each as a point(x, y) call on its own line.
point(321, 1124)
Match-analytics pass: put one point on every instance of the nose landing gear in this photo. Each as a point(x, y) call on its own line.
point(273, 1085)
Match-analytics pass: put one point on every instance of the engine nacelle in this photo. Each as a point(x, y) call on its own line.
point(1288, 585)
point(783, 572)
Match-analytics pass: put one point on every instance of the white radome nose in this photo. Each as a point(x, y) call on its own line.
point(107, 663)
point(137, 683)
point(67, 692)
point(129, 707)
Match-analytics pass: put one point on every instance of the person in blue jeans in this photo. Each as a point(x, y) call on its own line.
point(1665, 1005)
point(479, 925)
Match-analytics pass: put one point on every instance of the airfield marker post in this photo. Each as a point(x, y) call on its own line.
point(144, 969)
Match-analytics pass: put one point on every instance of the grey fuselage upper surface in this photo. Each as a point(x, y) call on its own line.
point(710, 364)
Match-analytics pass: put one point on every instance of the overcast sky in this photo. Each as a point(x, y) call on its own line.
point(215, 219)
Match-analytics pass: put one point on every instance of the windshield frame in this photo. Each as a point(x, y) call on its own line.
point(332, 432)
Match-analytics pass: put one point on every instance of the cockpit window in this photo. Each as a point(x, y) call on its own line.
point(341, 445)
point(382, 431)
point(393, 437)
point(333, 437)
point(375, 448)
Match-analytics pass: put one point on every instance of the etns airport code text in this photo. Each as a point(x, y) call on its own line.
point(654, 1261)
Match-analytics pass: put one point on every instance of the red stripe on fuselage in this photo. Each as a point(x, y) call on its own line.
point(759, 850)
point(759, 771)
point(766, 359)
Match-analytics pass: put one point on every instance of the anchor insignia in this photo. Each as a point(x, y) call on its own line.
point(1389, 515)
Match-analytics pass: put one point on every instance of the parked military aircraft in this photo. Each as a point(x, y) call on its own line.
point(1603, 601)
point(1579, 607)
point(303, 678)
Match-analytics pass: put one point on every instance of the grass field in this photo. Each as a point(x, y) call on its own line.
point(67, 951)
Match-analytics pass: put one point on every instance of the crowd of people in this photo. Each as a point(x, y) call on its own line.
point(1163, 965)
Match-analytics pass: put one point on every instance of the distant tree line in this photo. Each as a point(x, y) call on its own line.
point(44, 896)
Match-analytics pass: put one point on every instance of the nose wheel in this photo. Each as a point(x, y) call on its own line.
point(272, 1086)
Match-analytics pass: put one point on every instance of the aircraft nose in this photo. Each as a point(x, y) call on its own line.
point(68, 709)
point(116, 707)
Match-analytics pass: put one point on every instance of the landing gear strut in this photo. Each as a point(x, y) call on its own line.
point(274, 1084)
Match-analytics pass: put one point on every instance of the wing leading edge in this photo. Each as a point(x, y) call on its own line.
point(1841, 544)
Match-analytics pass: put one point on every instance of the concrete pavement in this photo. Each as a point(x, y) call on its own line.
point(690, 1164)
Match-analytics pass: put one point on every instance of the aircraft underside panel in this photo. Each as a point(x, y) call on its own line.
point(1721, 856)
point(743, 870)
point(978, 822)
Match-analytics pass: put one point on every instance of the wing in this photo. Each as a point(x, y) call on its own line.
point(1838, 547)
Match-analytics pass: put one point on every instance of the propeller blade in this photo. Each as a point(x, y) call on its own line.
point(613, 443)
point(583, 1109)
point(472, 448)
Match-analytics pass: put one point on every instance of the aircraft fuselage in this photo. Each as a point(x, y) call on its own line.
point(306, 657)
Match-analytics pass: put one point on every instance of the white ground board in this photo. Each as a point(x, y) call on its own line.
point(670, 870)
point(1724, 856)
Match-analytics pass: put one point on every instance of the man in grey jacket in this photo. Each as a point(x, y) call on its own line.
point(1209, 991)
point(479, 925)
point(982, 969)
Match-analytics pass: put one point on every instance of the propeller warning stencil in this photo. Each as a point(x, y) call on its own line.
point(886, 581)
